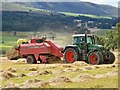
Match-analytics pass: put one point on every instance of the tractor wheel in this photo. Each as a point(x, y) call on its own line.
point(111, 58)
point(95, 58)
point(70, 55)
point(31, 59)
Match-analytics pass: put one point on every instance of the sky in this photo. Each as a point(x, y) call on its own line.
point(109, 2)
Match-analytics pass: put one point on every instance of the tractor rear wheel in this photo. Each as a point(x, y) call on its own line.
point(31, 59)
point(95, 58)
point(70, 55)
point(111, 58)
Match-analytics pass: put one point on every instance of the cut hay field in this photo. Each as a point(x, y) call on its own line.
point(19, 74)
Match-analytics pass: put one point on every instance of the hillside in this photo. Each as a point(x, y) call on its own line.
point(26, 18)
point(76, 7)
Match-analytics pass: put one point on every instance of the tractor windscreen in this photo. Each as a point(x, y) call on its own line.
point(77, 40)
point(81, 39)
point(90, 40)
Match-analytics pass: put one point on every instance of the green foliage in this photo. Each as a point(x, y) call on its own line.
point(109, 38)
point(112, 39)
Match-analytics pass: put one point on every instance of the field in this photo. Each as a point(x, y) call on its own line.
point(19, 74)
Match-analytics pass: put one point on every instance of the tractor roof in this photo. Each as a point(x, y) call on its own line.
point(77, 35)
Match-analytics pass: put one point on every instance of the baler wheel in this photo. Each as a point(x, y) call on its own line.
point(95, 58)
point(31, 59)
point(70, 55)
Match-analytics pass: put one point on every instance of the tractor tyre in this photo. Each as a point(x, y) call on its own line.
point(70, 55)
point(111, 58)
point(31, 59)
point(95, 58)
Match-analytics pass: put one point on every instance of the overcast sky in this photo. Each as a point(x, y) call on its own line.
point(109, 2)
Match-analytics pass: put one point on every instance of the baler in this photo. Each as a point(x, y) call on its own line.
point(37, 50)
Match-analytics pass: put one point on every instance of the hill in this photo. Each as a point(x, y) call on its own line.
point(76, 7)
point(21, 17)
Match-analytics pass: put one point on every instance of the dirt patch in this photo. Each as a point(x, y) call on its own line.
point(8, 75)
point(60, 79)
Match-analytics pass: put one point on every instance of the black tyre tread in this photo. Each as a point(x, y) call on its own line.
point(70, 49)
point(100, 56)
point(112, 58)
point(33, 58)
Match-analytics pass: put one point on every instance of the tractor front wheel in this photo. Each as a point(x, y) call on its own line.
point(31, 59)
point(95, 58)
point(70, 55)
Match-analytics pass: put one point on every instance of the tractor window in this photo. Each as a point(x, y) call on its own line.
point(78, 40)
point(89, 40)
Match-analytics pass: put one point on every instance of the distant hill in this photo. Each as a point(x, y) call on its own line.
point(25, 17)
point(76, 7)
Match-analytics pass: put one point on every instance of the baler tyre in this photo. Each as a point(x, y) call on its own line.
point(31, 59)
point(95, 58)
point(111, 59)
point(70, 55)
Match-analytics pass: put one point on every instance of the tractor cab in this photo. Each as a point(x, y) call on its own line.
point(82, 38)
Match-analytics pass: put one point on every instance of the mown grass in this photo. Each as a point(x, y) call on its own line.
point(23, 68)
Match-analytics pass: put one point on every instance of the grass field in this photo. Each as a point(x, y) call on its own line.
point(86, 15)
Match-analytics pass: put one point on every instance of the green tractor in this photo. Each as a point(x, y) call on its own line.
point(85, 49)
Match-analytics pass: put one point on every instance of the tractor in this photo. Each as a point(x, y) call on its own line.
point(84, 48)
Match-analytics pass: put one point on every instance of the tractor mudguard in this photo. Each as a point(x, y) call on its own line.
point(72, 46)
